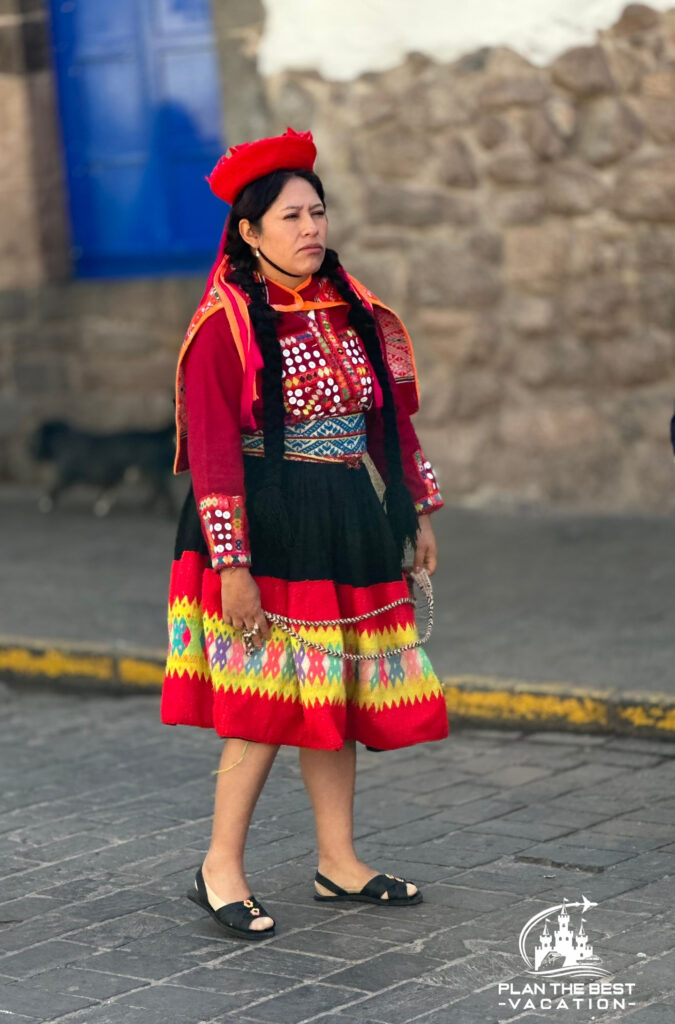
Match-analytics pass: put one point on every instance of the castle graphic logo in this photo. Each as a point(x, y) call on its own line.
point(560, 950)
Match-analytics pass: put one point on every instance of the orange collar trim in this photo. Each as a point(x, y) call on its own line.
point(295, 292)
point(300, 303)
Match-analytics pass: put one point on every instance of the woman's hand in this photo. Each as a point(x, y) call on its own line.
point(425, 550)
point(240, 597)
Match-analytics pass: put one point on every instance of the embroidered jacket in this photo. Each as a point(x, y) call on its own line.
point(325, 373)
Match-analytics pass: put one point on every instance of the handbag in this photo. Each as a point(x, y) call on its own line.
point(420, 579)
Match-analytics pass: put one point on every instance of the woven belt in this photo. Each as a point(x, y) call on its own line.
point(327, 439)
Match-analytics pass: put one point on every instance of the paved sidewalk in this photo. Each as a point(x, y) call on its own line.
point(542, 618)
point(106, 815)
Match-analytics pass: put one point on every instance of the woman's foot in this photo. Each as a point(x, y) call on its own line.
point(223, 887)
point(351, 876)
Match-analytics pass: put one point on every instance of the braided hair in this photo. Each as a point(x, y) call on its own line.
point(269, 506)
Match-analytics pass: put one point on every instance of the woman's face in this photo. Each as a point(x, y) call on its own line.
point(292, 232)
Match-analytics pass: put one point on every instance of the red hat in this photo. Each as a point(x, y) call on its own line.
point(243, 164)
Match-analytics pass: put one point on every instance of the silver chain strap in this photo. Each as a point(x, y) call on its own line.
point(421, 579)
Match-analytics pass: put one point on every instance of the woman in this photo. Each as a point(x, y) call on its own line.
point(289, 373)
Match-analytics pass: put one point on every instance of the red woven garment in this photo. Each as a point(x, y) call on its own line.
point(244, 163)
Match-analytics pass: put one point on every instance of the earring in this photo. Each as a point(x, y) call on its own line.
point(257, 253)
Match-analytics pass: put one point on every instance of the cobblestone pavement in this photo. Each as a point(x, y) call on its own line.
point(106, 815)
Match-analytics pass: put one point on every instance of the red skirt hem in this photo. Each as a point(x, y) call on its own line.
point(265, 719)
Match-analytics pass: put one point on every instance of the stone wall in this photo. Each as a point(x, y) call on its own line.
point(33, 240)
point(522, 220)
point(100, 354)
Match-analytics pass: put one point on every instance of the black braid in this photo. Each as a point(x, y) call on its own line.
point(398, 501)
point(268, 505)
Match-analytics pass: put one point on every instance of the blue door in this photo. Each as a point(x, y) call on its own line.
point(139, 99)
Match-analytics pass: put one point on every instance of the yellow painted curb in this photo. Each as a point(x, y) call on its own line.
point(527, 704)
point(135, 672)
point(488, 701)
point(79, 664)
point(53, 664)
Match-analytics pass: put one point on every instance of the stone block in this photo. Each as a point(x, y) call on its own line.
point(128, 374)
point(529, 314)
point(657, 301)
point(600, 248)
point(439, 391)
point(77, 981)
point(477, 390)
point(385, 273)
point(537, 255)
point(659, 84)
point(514, 165)
point(14, 153)
point(628, 65)
point(14, 305)
point(389, 153)
point(35, 1004)
point(486, 245)
point(182, 1003)
point(293, 102)
point(410, 206)
point(446, 104)
point(645, 189)
point(583, 70)
point(555, 360)
point(458, 166)
point(460, 464)
point(549, 428)
point(42, 957)
point(449, 275)
point(458, 337)
point(658, 114)
point(381, 972)
point(542, 135)
point(601, 307)
point(492, 130)
point(405, 1002)
point(524, 206)
point(139, 966)
point(513, 91)
point(41, 376)
point(562, 114)
point(654, 247)
point(12, 51)
point(608, 131)
point(637, 360)
point(636, 18)
point(302, 1003)
point(572, 189)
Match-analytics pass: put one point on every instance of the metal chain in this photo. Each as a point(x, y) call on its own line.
point(421, 579)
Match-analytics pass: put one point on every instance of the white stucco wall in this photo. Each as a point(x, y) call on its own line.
point(343, 38)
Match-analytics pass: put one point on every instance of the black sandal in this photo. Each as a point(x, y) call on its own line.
point(372, 892)
point(234, 918)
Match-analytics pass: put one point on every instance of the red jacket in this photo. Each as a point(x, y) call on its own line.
point(327, 381)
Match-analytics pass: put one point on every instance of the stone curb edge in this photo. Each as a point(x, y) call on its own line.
point(471, 700)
